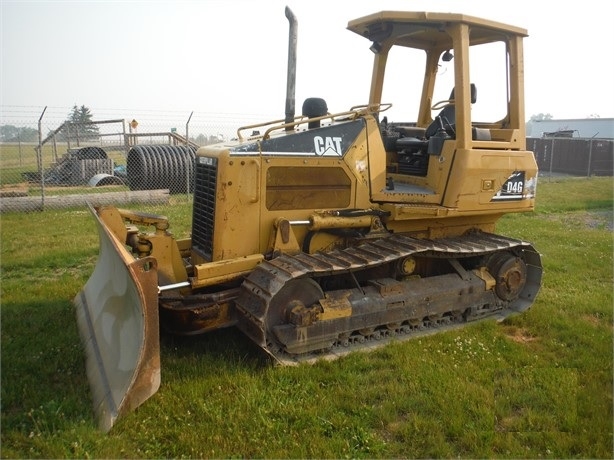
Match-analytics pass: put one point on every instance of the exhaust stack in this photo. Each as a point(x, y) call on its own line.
point(291, 78)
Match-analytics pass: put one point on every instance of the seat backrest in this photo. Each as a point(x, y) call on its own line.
point(447, 115)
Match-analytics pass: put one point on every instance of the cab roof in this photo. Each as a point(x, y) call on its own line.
point(425, 30)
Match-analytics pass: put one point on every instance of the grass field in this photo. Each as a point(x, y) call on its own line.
point(538, 385)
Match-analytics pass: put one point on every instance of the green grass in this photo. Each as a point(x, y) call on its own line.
point(538, 385)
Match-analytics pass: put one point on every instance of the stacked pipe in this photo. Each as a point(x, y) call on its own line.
point(151, 167)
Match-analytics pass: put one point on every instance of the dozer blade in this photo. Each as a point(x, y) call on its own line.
point(117, 316)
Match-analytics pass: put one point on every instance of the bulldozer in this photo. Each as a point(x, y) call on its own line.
point(325, 233)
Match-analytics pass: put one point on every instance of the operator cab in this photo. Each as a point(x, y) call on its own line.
point(429, 65)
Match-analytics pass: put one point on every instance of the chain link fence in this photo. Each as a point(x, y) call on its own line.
point(573, 156)
point(115, 161)
point(150, 164)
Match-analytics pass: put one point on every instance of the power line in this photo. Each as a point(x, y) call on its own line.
point(29, 115)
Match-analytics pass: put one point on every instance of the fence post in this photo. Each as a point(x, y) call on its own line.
point(19, 142)
point(39, 158)
point(551, 155)
point(187, 163)
point(125, 138)
point(590, 158)
point(55, 149)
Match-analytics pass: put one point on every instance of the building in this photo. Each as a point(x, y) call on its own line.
point(585, 128)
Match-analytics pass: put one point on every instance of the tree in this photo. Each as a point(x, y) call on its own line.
point(201, 139)
point(534, 118)
point(10, 133)
point(540, 117)
point(81, 126)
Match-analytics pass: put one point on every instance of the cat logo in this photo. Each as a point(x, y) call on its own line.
point(328, 146)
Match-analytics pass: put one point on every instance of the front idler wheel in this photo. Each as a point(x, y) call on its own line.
point(510, 273)
point(292, 304)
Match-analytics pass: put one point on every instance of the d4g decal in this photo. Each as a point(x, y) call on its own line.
point(516, 187)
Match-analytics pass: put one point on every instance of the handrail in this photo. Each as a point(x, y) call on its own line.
point(170, 134)
point(354, 112)
point(260, 125)
point(71, 123)
point(295, 123)
point(378, 107)
point(51, 135)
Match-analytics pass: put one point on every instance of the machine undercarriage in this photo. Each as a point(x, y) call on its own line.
point(307, 305)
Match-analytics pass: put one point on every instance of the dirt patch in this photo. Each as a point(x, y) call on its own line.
point(520, 335)
point(600, 219)
point(597, 220)
point(14, 190)
point(592, 320)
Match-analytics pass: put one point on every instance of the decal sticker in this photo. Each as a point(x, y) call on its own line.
point(361, 166)
point(513, 188)
point(328, 146)
point(530, 187)
point(207, 161)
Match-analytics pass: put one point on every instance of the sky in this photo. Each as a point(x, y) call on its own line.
point(215, 59)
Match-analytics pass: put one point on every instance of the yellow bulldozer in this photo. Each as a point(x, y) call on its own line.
point(327, 232)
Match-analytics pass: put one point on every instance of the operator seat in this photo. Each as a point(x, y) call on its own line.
point(447, 117)
point(314, 107)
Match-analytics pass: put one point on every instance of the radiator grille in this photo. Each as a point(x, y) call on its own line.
point(204, 206)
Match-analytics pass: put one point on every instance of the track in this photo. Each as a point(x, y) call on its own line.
point(286, 312)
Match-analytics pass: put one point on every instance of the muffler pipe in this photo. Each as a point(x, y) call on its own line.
point(291, 78)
